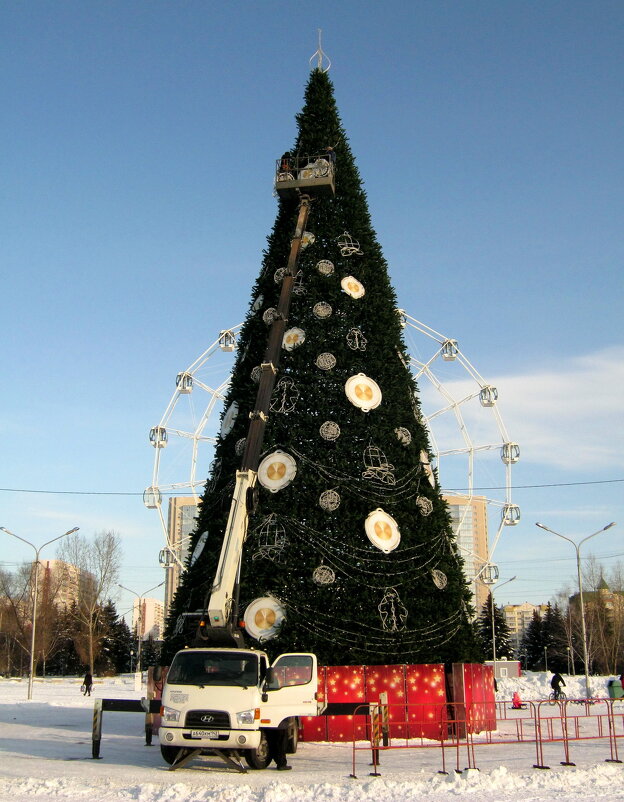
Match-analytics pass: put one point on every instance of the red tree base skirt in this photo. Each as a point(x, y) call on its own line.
point(422, 701)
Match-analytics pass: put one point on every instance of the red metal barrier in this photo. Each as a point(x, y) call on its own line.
point(576, 720)
point(451, 726)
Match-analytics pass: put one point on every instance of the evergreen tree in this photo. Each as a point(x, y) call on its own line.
point(398, 595)
point(65, 660)
point(501, 631)
point(124, 644)
point(150, 652)
point(554, 639)
point(116, 644)
point(104, 663)
point(532, 644)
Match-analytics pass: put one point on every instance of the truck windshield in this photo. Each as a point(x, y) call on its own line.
point(213, 668)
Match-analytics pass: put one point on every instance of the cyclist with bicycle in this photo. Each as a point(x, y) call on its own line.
point(555, 683)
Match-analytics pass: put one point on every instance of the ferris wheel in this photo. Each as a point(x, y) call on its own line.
point(187, 433)
point(470, 445)
point(473, 452)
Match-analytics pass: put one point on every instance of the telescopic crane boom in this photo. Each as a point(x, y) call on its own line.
point(219, 622)
point(296, 177)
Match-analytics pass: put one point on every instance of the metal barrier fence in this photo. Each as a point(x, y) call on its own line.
point(148, 706)
point(451, 729)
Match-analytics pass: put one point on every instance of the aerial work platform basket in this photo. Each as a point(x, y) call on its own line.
point(310, 175)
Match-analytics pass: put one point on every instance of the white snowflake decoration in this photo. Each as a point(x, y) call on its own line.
point(424, 505)
point(269, 315)
point(329, 430)
point(278, 276)
point(240, 446)
point(325, 267)
point(256, 373)
point(439, 578)
point(404, 436)
point(325, 361)
point(323, 575)
point(329, 500)
point(322, 310)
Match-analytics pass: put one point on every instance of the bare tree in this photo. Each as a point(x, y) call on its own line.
point(604, 615)
point(616, 577)
point(16, 601)
point(48, 633)
point(98, 562)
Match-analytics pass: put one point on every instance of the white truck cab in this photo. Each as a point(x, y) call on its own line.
point(221, 701)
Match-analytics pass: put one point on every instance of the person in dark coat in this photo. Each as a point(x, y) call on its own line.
point(87, 683)
point(277, 739)
point(556, 682)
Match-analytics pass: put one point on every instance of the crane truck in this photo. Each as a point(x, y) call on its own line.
point(219, 697)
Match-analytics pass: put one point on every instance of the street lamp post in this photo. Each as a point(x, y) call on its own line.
point(35, 594)
point(577, 547)
point(568, 654)
point(140, 618)
point(493, 626)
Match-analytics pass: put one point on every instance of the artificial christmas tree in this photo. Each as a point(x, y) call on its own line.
point(349, 551)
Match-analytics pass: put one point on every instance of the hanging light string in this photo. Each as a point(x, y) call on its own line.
point(428, 630)
point(368, 554)
point(391, 565)
point(383, 651)
point(385, 642)
point(326, 546)
point(362, 488)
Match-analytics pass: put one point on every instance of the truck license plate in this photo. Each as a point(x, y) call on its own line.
point(204, 734)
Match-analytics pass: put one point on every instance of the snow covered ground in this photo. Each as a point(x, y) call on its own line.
point(45, 749)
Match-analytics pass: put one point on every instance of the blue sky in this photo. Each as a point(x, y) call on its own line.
point(137, 148)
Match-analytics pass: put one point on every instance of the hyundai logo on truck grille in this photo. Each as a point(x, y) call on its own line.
point(211, 719)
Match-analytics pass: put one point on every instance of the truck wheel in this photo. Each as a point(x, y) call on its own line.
point(169, 753)
point(258, 758)
point(293, 736)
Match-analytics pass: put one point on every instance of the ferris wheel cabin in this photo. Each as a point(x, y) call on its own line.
point(305, 175)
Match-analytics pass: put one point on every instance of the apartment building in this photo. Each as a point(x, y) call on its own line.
point(63, 584)
point(148, 618)
point(469, 517)
point(181, 516)
point(518, 617)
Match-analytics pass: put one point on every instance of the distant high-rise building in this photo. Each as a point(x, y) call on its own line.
point(469, 517)
point(63, 584)
point(147, 618)
point(180, 523)
point(518, 618)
